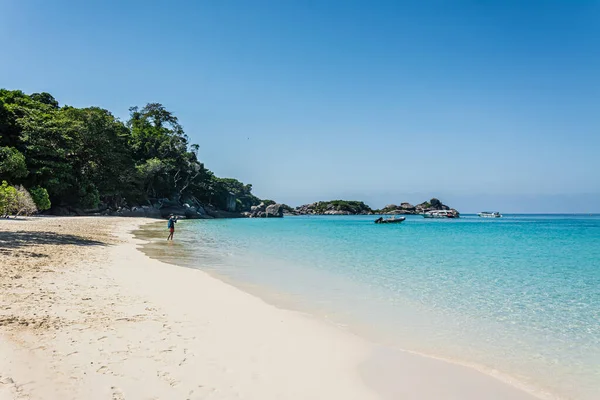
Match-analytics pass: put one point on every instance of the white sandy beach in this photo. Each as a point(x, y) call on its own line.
point(85, 315)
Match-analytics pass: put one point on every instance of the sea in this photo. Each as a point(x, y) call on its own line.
point(516, 297)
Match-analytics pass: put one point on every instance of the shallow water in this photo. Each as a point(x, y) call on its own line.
point(517, 296)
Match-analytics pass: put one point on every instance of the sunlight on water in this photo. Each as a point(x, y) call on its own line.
point(519, 295)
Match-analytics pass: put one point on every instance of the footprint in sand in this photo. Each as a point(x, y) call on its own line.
point(103, 370)
point(117, 394)
point(167, 378)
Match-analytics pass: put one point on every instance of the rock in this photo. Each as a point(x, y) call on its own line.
point(397, 212)
point(407, 206)
point(260, 211)
point(436, 204)
point(337, 212)
point(274, 211)
point(231, 202)
point(334, 207)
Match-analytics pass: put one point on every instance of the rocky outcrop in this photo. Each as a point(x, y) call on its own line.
point(231, 202)
point(264, 211)
point(189, 208)
point(274, 210)
point(334, 207)
point(407, 208)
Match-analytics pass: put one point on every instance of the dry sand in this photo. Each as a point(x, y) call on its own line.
point(84, 315)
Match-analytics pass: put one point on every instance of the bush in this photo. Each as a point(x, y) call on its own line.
point(8, 199)
point(24, 204)
point(15, 201)
point(40, 197)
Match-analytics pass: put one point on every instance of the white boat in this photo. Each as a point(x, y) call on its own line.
point(439, 214)
point(490, 214)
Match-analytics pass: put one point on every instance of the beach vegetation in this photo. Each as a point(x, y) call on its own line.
point(87, 157)
point(40, 197)
point(8, 199)
point(24, 204)
point(15, 201)
point(12, 163)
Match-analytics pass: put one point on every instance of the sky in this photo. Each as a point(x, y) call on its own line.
point(487, 105)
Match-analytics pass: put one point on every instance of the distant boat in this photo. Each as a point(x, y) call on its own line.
point(439, 214)
point(393, 220)
point(490, 214)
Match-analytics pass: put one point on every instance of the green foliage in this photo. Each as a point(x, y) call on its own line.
point(40, 197)
point(12, 163)
point(15, 201)
point(354, 207)
point(84, 156)
point(287, 208)
point(223, 188)
point(8, 199)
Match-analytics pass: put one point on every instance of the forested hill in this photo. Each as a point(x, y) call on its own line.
point(86, 158)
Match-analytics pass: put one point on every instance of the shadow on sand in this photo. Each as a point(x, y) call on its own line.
point(18, 239)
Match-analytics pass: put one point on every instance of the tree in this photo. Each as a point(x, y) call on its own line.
point(12, 163)
point(45, 98)
point(40, 197)
point(84, 156)
point(174, 171)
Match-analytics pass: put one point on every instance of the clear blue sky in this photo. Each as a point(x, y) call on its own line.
point(485, 104)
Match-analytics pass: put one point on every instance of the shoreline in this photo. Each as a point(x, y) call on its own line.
point(117, 323)
point(459, 369)
point(110, 321)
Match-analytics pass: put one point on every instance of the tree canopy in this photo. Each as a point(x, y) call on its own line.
point(82, 157)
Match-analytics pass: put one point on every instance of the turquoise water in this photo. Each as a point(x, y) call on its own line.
point(518, 297)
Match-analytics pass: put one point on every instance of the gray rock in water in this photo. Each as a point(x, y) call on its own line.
point(274, 210)
point(337, 212)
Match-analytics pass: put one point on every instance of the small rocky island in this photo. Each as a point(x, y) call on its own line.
point(344, 207)
point(334, 207)
point(407, 208)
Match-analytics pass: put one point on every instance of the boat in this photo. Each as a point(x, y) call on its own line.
point(393, 220)
point(490, 214)
point(439, 214)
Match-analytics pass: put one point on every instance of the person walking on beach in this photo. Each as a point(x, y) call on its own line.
point(171, 226)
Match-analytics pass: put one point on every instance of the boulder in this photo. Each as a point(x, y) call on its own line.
point(231, 202)
point(435, 204)
point(397, 212)
point(274, 211)
point(337, 212)
point(407, 206)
